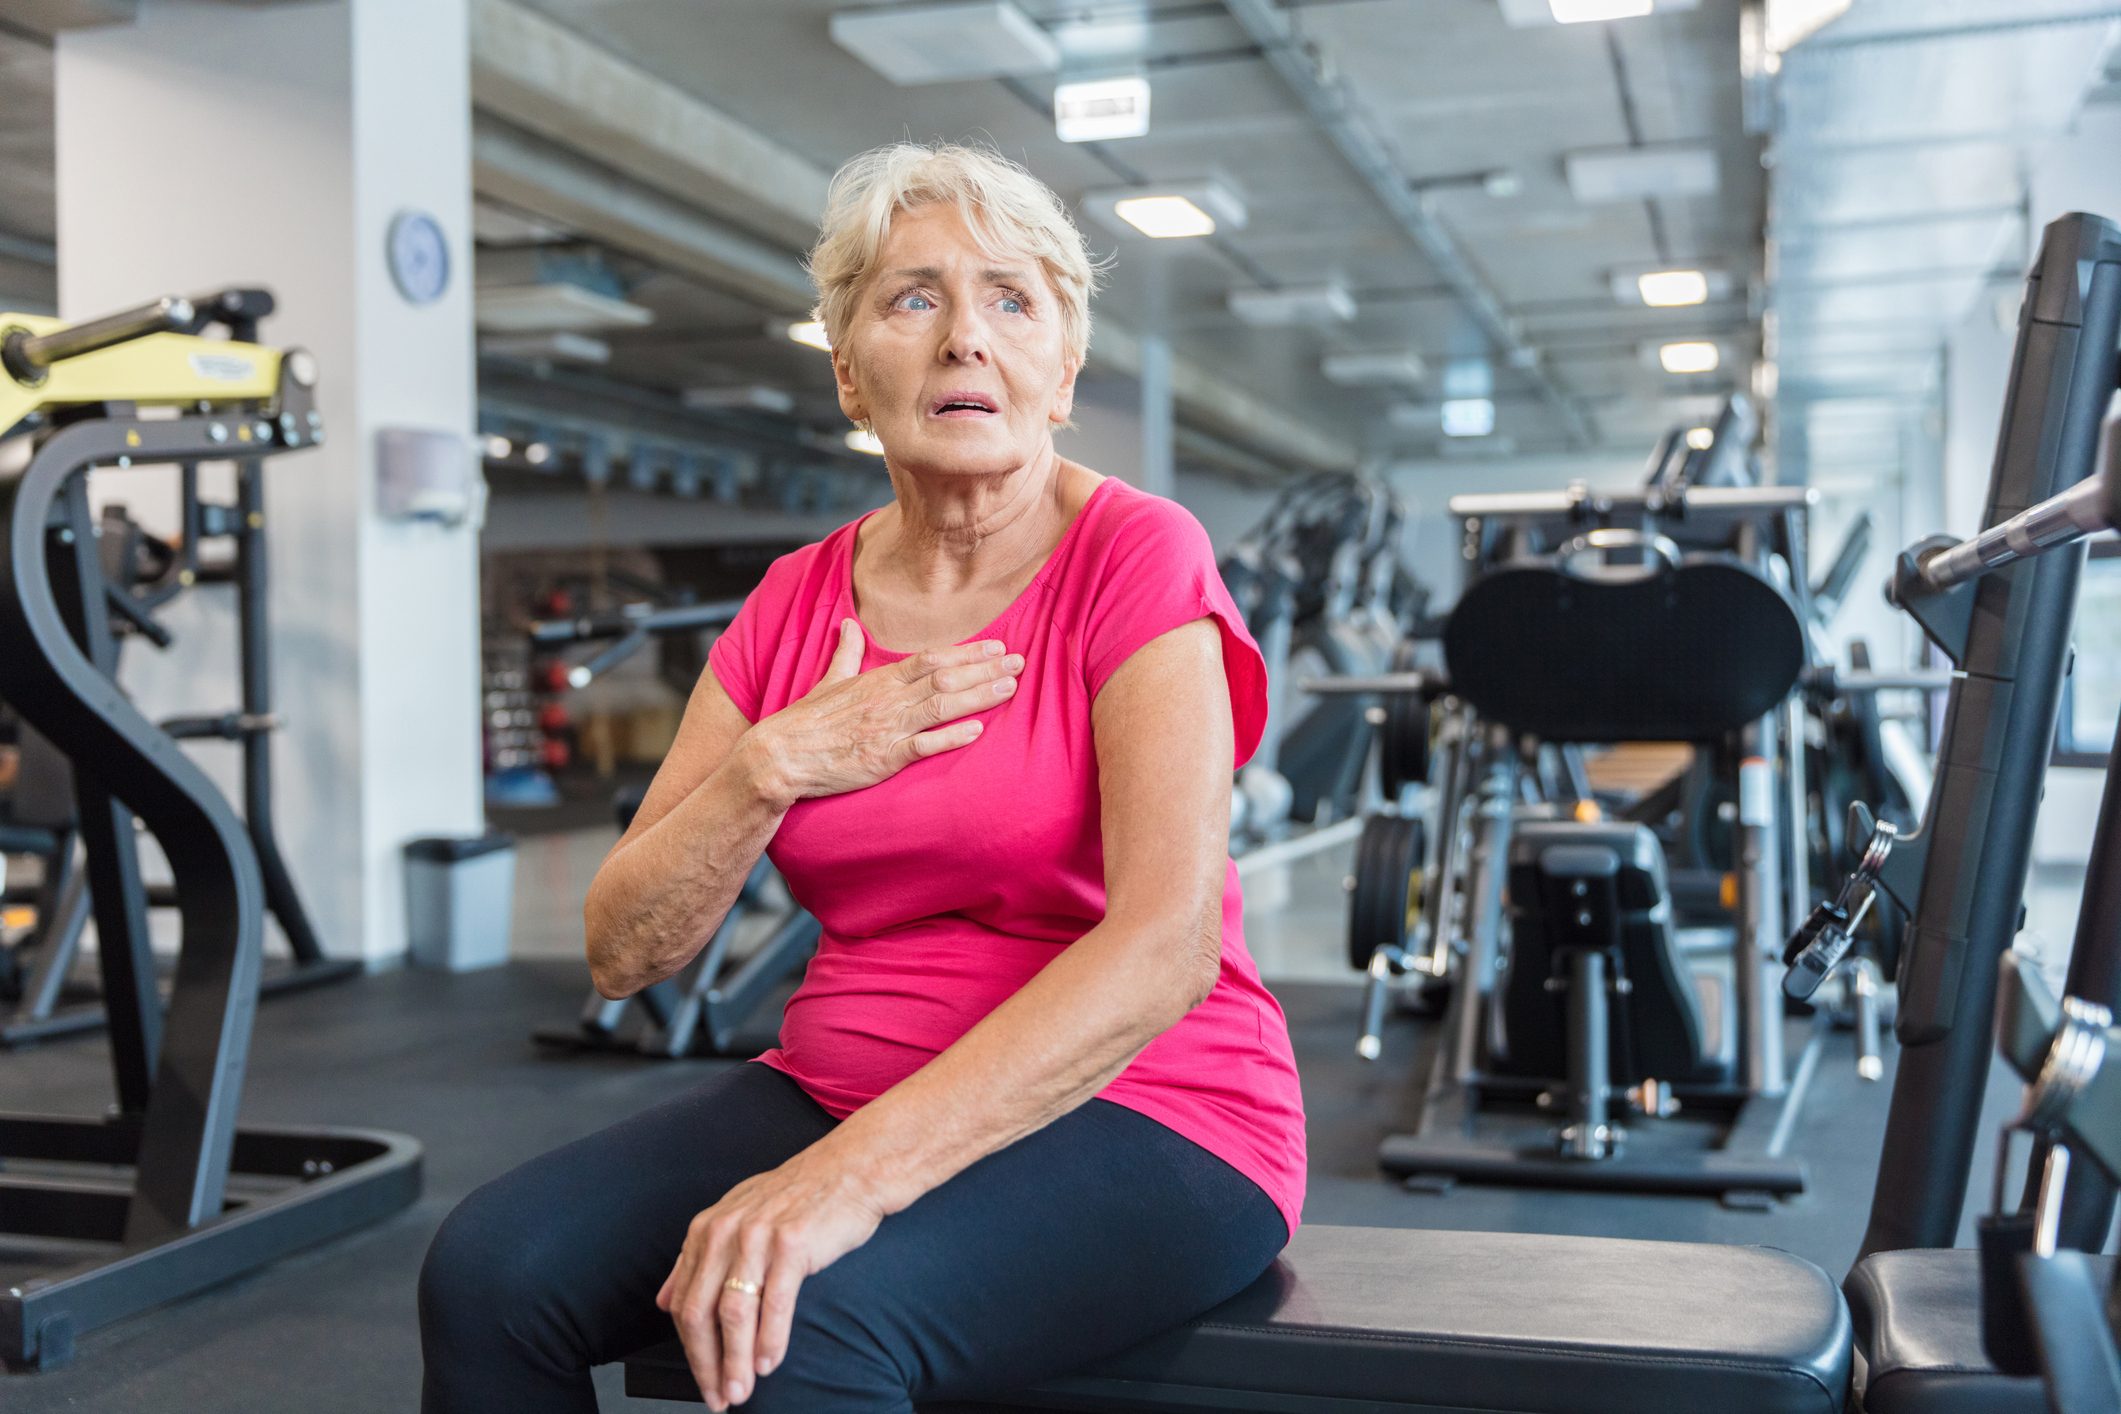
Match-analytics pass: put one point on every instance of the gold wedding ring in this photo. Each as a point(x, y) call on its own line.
point(743, 1284)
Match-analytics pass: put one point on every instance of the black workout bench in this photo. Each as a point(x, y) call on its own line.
point(1405, 1321)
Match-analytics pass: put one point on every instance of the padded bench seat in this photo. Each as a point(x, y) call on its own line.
point(1385, 1320)
point(1919, 1316)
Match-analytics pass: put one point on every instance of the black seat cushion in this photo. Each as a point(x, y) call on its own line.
point(1656, 1031)
point(1401, 1321)
point(1685, 655)
point(1918, 1323)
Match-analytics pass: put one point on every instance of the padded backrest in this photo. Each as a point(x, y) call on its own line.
point(1657, 1030)
point(1686, 652)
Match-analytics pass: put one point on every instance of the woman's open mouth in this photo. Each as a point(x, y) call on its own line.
point(962, 405)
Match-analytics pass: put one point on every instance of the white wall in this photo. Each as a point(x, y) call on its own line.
point(325, 120)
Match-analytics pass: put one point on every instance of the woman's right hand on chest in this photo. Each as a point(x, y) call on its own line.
point(855, 728)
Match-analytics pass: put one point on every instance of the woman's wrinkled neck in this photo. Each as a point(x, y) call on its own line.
point(960, 529)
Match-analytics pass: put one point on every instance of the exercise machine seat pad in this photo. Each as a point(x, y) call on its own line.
point(1658, 1030)
point(1918, 1322)
point(1688, 654)
point(1408, 1321)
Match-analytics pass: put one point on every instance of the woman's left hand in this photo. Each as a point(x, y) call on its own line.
point(769, 1232)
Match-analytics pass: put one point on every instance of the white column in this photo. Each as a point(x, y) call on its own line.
point(209, 145)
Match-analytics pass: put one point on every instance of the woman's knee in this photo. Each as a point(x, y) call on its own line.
point(484, 1270)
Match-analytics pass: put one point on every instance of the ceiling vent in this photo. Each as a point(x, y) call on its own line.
point(559, 347)
point(918, 44)
point(1635, 173)
point(1284, 308)
point(756, 397)
point(1374, 370)
point(522, 309)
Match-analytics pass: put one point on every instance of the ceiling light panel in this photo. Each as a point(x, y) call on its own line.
point(1101, 110)
point(922, 44)
point(1167, 210)
point(1468, 417)
point(1315, 305)
point(1530, 14)
point(1668, 286)
point(1689, 356)
point(1635, 173)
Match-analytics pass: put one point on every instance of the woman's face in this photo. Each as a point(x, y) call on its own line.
point(954, 357)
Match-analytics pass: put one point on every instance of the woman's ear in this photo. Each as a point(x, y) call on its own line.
point(1064, 395)
point(852, 402)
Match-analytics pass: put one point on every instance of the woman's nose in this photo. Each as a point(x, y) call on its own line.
point(965, 338)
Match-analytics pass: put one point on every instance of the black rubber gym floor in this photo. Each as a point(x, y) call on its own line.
point(449, 1060)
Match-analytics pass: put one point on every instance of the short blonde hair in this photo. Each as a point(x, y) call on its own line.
point(1008, 211)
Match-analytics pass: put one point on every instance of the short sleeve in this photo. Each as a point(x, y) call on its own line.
point(1159, 574)
point(733, 658)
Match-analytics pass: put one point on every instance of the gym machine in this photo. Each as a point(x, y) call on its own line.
point(1660, 615)
point(1322, 584)
point(167, 1191)
point(141, 574)
point(703, 1010)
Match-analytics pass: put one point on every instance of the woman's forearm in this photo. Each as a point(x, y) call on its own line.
point(658, 897)
point(1064, 1036)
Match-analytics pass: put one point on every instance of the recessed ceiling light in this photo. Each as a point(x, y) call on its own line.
point(1164, 217)
point(811, 332)
point(1101, 110)
point(1665, 289)
point(1689, 356)
point(499, 449)
point(537, 453)
point(864, 441)
point(1576, 12)
point(1468, 417)
point(1701, 438)
point(1167, 210)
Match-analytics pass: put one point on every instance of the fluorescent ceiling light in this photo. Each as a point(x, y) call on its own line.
point(1666, 289)
point(917, 44)
point(1661, 286)
point(1101, 110)
point(1168, 210)
point(1369, 370)
point(864, 441)
point(811, 332)
point(1542, 14)
point(1164, 217)
point(1701, 438)
point(526, 309)
point(1468, 417)
point(1305, 304)
point(1690, 356)
point(1576, 12)
point(1636, 173)
point(1788, 23)
point(755, 398)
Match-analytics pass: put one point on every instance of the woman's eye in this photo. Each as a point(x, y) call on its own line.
point(1013, 304)
point(915, 302)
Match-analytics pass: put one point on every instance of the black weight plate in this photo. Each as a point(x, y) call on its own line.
point(1403, 752)
point(1386, 900)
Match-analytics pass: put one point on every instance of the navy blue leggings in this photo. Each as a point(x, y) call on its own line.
point(1078, 1241)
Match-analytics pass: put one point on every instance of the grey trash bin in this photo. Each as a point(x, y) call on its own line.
point(459, 895)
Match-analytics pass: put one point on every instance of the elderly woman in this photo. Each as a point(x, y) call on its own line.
point(1031, 1103)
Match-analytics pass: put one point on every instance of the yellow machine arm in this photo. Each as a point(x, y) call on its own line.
point(139, 356)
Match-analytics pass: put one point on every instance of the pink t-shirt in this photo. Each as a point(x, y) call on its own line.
point(946, 887)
